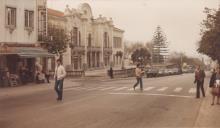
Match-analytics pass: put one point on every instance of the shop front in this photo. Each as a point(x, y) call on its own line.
point(18, 64)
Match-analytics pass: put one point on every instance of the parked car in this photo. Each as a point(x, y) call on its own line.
point(152, 72)
point(167, 72)
point(161, 72)
point(188, 70)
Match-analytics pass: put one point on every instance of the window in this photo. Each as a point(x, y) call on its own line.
point(11, 16)
point(90, 40)
point(117, 42)
point(29, 19)
point(79, 38)
point(74, 36)
point(106, 40)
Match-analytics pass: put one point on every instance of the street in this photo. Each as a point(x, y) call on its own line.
point(103, 103)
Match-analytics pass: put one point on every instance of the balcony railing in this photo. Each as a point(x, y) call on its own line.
point(79, 48)
point(107, 48)
point(91, 48)
point(107, 51)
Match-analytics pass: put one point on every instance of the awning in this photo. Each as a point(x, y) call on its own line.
point(27, 52)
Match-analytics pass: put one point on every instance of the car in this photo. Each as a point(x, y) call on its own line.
point(166, 72)
point(152, 72)
point(188, 70)
point(161, 72)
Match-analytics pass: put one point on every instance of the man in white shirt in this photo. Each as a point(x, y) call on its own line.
point(59, 76)
point(138, 73)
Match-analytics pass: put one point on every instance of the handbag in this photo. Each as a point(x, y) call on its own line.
point(215, 91)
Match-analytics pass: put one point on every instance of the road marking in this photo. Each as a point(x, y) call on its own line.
point(95, 88)
point(162, 89)
point(148, 88)
point(152, 94)
point(130, 89)
point(76, 88)
point(178, 89)
point(108, 88)
point(192, 90)
point(121, 88)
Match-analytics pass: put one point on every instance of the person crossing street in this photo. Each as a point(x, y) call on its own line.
point(59, 76)
point(138, 73)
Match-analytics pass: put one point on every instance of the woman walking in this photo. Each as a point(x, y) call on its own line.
point(215, 85)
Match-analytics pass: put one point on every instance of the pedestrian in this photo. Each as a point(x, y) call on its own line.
point(47, 76)
point(111, 73)
point(138, 73)
point(213, 85)
point(199, 80)
point(59, 76)
point(23, 75)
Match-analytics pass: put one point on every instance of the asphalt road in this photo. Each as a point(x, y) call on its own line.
point(166, 102)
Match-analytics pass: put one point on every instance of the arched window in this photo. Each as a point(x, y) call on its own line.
point(105, 39)
point(79, 38)
point(74, 39)
point(90, 40)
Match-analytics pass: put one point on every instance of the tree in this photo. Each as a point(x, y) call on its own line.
point(210, 31)
point(141, 55)
point(56, 40)
point(159, 50)
point(149, 46)
point(180, 58)
point(130, 47)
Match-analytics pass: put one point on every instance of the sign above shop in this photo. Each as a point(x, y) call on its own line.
point(4, 49)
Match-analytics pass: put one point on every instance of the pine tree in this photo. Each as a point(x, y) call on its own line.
point(160, 46)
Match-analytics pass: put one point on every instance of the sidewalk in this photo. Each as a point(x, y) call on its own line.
point(33, 88)
point(209, 116)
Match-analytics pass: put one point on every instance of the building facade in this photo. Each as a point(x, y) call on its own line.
point(118, 47)
point(19, 28)
point(94, 42)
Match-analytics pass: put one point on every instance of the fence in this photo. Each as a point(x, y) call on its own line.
point(72, 73)
point(124, 73)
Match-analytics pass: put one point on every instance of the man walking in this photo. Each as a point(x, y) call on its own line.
point(111, 72)
point(59, 76)
point(138, 73)
point(199, 80)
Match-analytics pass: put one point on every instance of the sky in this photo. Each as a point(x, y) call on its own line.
point(179, 19)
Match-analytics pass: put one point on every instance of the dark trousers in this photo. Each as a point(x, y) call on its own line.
point(47, 78)
point(200, 86)
point(139, 80)
point(59, 89)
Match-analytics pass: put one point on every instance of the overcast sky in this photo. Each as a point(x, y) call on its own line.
point(179, 19)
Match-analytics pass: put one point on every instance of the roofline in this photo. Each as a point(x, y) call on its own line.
point(118, 29)
point(57, 11)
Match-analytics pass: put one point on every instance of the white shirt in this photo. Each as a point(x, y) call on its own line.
point(138, 72)
point(60, 72)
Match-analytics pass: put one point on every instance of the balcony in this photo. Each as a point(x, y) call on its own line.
point(79, 48)
point(107, 50)
point(93, 49)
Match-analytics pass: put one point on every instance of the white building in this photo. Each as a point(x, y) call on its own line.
point(19, 28)
point(95, 42)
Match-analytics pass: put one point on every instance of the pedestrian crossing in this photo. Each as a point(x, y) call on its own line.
point(191, 90)
point(148, 88)
point(178, 89)
point(121, 88)
point(162, 89)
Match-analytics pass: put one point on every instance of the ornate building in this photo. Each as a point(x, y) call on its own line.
point(95, 42)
